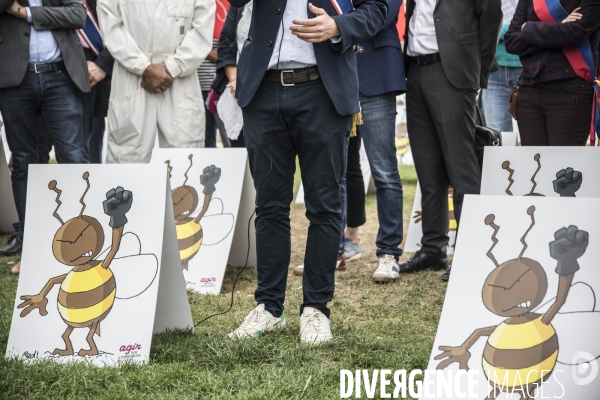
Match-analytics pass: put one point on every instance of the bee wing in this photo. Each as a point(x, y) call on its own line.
point(581, 297)
point(215, 228)
point(577, 332)
point(134, 274)
point(130, 245)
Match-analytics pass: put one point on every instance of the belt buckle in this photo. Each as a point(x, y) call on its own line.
point(35, 67)
point(286, 84)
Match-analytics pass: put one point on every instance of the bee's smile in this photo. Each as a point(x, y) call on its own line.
point(87, 254)
point(525, 305)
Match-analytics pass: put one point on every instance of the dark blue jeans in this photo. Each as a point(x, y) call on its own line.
point(58, 101)
point(280, 123)
point(379, 135)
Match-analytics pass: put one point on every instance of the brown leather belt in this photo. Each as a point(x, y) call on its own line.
point(289, 77)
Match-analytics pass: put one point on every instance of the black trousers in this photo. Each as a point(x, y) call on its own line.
point(281, 123)
point(553, 117)
point(355, 195)
point(441, 128)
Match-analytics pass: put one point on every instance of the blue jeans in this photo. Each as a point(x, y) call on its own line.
point(496, 98)
point(58, 101)
point(379, 135)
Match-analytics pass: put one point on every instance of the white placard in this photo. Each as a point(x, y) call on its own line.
point(522, 171)
point(415, 226)
point(209, 240)
point(71, 305)
point(517, 279)
point(8, 211)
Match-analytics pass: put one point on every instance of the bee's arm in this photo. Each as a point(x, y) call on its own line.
point(116, 242)
point(39, 300)
point(564, 285)
point(476, 335)
point(207, 198)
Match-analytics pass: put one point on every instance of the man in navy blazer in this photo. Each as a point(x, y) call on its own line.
point(297, 86)
point(381, 78)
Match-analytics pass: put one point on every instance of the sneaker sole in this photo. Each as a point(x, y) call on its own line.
point(354, 257)
point(297, 273)
point(277, 327)
point(384, 279)
point(315, 343)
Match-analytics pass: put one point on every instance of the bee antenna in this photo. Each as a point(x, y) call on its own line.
point(530, 211)
point(52, 186)
point(506, 166)
point(168, 162)
point(536, 158)
point(489, 220)
point(86, 175)
point(188, 170)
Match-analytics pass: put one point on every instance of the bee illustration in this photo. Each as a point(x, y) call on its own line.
point(522, 351)
point(87, 292)
point(567, 182)
point(190, 233)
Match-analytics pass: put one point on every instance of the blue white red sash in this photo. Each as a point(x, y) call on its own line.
point(343, 6)
point(91, 32)
point(581, 58)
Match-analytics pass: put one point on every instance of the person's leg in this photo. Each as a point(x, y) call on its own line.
point(531, 117)
point(19, 106)
point(568, 116)
point(431, 169)
point(319, 135)
point(379, 135)
point(496, 99)
point(344, 200)
point(240, 142)
point(355, 193)
point(210, 131)
point(96, 141)
point(453, 114)
point(272, 163)
point(88, 101)
point(62, 111)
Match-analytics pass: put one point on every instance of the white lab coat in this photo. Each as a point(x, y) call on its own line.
point(142, 32)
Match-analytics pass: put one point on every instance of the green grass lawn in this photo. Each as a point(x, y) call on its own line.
point(375, 327)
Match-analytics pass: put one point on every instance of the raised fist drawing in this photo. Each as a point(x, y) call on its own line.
point(209, 178)
point(118, 202)
point(567, 182)
point(569, 244)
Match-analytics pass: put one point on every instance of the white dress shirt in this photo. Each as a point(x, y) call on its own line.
point(421, 30)
point(292, 52)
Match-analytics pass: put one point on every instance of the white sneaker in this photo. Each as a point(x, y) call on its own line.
point(258, 322)
point(339, 266)
point(388, 270)
point(314, 327)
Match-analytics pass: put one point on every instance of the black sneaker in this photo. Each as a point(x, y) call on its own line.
point(12, 247)
point(421, 261)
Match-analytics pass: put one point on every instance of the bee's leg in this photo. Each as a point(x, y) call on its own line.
point(495, 392)
point(90, 339)
point(529, 393)
point(69, 346)
point(184, 264)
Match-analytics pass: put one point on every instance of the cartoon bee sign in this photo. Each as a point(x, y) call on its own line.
point(7, 203)
point(541, 171)
point(520, 309)
point(96, 247)
point(212, 201)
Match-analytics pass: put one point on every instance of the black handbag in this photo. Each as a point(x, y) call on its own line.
point(485, 136)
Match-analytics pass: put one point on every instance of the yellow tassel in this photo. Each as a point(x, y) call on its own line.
point(356, 120)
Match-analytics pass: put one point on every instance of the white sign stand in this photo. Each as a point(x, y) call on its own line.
point(72, 293)
point(534, 171)
point(8, 211)
point(209, 240)
point(513, 255)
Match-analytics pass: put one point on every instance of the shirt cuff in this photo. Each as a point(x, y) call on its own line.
point(29, 19)
point(336, 39)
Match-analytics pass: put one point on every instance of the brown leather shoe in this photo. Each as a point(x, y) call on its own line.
point(16, 269)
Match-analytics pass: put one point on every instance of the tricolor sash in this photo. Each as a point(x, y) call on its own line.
point(343, 6)
point(581, 58)
point(91, 32)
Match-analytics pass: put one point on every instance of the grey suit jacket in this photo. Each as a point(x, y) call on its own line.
point(467, 33)
point(63, 17)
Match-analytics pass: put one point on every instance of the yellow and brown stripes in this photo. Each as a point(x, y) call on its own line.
point(87, 295)
point(519, 354)
point(189, 236)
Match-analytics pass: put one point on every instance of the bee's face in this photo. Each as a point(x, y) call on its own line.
point(515, 287)
point(185, 201)
point(78, 241)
